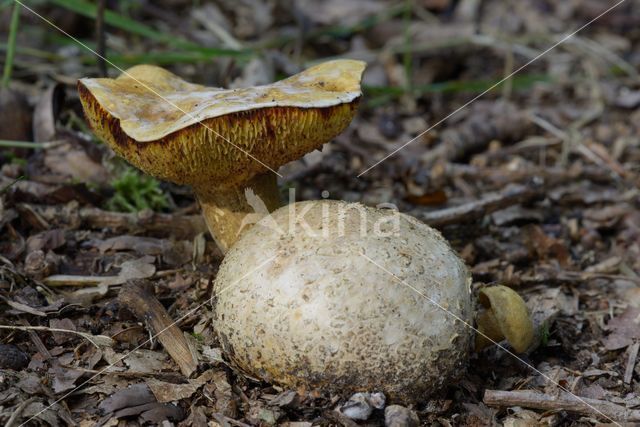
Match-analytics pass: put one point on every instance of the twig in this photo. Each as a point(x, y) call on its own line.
point(57, 280)
point(23, 307)
point(16, 412)
point(563, 402)
point(147, 308)
point(180, 226)
point(97, 340)
point(6, 187)
point(512, 195)
point(631, 362)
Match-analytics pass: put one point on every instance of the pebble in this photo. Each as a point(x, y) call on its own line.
point(399, 416)
point(361, 405)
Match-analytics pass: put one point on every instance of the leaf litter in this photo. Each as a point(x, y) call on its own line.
point(536, 185)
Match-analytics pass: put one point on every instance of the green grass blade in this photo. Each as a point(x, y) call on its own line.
point(23, 144)
point(35, 53)
point(377, 96)
point(116, 20)
point(89, 10)
point(8, 186)
point(157, 58)
point(5, 3)
point(520, 82)
point(11, 45)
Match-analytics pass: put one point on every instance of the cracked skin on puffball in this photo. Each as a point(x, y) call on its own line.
point(321, 316)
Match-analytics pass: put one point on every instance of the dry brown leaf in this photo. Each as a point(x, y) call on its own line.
point(624, 328)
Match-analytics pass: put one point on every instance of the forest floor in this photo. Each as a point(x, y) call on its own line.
point(536, 183)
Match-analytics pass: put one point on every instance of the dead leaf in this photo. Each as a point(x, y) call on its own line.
point(86, 296)
point(64, 378)
point(225, 403)
point(141, 268)
point(158, 414)
point(39, 411)
point(65, 323)
point(72, 161)
point(334, 12)
point(169, 392)
point(46, 240)
point(146, 361)
point(437, 197)
point(135, 395)
point(15, 116)
point(139, 244)
point(623, 329)
point(545, 246)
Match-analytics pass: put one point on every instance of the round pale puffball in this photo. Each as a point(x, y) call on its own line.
point(340, 297)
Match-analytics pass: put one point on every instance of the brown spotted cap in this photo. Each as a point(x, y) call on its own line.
point(192, 134)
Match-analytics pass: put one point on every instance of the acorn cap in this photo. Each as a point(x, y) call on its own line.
point(192, 134)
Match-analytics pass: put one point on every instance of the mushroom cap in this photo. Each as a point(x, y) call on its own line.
point(320, 315)
point(506, 316)
point(191, 134)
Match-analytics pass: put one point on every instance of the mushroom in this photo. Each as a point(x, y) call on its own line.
point(345, 298)
point(224, 143)
point(504, 315)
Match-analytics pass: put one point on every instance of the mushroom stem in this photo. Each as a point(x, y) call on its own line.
point(230, 211)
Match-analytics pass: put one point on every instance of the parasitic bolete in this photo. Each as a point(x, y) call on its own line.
point(221, 141)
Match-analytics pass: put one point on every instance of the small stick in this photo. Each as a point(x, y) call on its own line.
point(18, 411)
point(512, 195)
point(57, 280)
point(180, 226)
point(564, 402)
point(5, 188)
point(97, 340)
point(147, 308)
point(631, 362)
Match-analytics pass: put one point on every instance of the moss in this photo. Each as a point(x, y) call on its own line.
point(135, 191)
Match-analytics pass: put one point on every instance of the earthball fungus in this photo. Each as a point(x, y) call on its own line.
point(221, 141)
point(342, 297)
